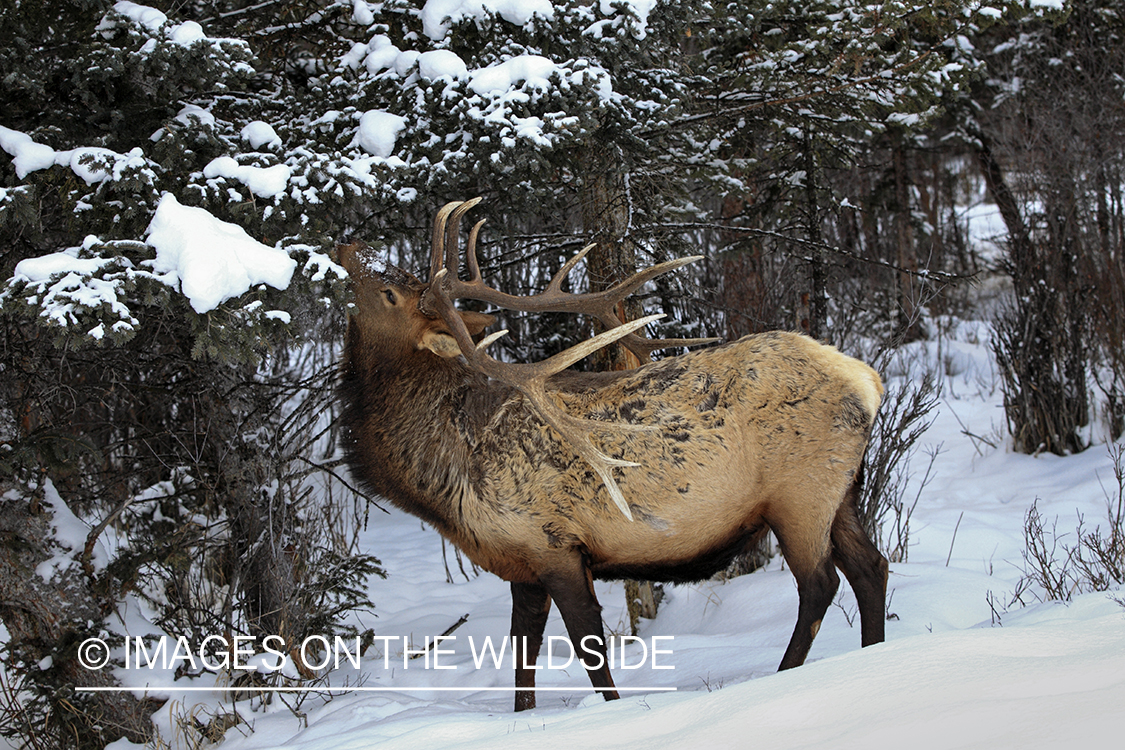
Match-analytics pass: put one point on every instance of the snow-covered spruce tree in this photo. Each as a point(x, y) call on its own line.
point(166, 304)
point(623, 120)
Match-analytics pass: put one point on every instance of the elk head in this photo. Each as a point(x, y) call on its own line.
point(387, 309)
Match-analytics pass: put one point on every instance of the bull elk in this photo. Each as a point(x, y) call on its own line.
point(550, 478)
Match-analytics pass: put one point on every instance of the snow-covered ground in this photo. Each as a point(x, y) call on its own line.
point(960, 668)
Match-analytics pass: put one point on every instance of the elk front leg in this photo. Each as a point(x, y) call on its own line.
point(571, 585)
point(530, 605)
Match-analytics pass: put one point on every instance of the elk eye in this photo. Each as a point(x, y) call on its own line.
point(390, 296)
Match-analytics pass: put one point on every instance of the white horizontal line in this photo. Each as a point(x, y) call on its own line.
point(362, 689)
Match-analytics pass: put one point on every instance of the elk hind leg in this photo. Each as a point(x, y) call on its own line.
point(807, 552)
point(864, 567)
point(571, 585)
point(530, 606)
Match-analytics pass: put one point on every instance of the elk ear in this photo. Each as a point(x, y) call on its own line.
point(348, 256)
point(441, 342)
point(476, 322)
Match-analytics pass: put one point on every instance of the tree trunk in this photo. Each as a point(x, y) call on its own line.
point(813, 315)
point(1018, 237)
point(1040, 344)
point(606, 219)
point(910, 319)
point(743, 295)
point(606, 215)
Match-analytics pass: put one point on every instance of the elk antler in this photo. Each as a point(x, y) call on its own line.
point(530, 379)
point(601, 305)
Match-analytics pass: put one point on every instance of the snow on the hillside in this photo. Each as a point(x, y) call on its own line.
point(984, 222)
point(1056, 681)
point(212, 260)
point(963, 666)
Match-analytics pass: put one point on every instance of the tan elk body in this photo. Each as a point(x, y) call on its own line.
point(707, 450)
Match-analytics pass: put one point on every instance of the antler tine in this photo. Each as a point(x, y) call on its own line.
point(564, 359)
point(471, 252)
point(530, 379)
point(437, 242)
point(623, 289)
point(639, 345)
point(452, 235)
point(543, 369)
point(644, 348)
point(601, 305)
point(557, 279)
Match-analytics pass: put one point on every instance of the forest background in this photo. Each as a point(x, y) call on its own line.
point(820, 155)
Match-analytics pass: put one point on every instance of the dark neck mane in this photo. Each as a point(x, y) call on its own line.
point(408, 433)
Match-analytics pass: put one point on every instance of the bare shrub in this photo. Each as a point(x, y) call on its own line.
point(1056, 569)
point(1108, 321)
point(1043, 354)
point(884, 507)
point(1100, 556)
point(1048, 561)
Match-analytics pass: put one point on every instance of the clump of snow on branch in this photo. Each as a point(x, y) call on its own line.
point(637, 25)
point(142, 15)
point(212, 260)
point(156, 23)
point(260, 134)
point(91, 164)
point(378, 131)
point(533, 70)
point(64, 284)
point(441, 63)
point(438, 16)
point(264, 182)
